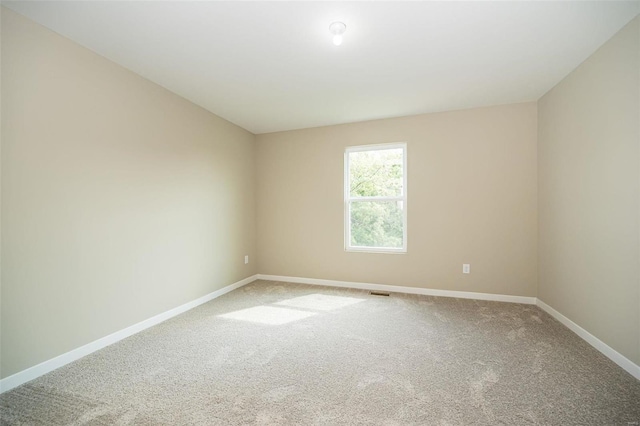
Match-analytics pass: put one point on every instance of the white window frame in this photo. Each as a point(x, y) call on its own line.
point(348, 198)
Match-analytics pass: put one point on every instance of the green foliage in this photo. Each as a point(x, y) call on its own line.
point(376, 224)
point(376, 174)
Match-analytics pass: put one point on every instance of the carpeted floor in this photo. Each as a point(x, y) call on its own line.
point(274, 353)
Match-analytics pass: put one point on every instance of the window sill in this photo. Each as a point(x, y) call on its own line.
point(375, 250)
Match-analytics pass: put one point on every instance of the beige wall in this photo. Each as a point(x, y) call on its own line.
point(471, 199)
point(589, 165)
point(1, 9)
point(120, 200)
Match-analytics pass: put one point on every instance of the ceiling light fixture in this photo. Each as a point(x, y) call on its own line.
point(337, 29)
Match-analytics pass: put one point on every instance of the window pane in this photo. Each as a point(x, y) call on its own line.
point(376, 173)
point(376, 224)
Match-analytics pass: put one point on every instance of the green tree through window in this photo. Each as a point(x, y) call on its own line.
point(375, 198)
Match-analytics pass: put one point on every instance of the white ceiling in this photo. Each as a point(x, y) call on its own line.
point(270, 66)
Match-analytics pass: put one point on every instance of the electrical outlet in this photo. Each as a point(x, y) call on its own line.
point(246, 259)
point(466, 268)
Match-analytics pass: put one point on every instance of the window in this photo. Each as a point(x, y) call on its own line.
point(375, 198)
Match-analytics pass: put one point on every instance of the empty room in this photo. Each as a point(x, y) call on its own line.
point(320, 213)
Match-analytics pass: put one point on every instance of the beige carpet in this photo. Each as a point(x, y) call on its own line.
point(277, 353)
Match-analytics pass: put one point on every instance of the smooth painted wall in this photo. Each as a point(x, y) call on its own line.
point(472, 195)
point(120, 200)
point(589, 194)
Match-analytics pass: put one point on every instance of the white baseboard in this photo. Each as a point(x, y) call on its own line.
point(61, 360)
point(57, 362)
point(607, 350)
point(398, 289)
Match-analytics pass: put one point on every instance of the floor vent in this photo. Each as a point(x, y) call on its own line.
point(379, 293)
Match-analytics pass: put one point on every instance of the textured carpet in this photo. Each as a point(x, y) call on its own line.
point(278, 353)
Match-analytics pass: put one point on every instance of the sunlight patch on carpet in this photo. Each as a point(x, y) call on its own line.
point(320, 302)
point(268, 315)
